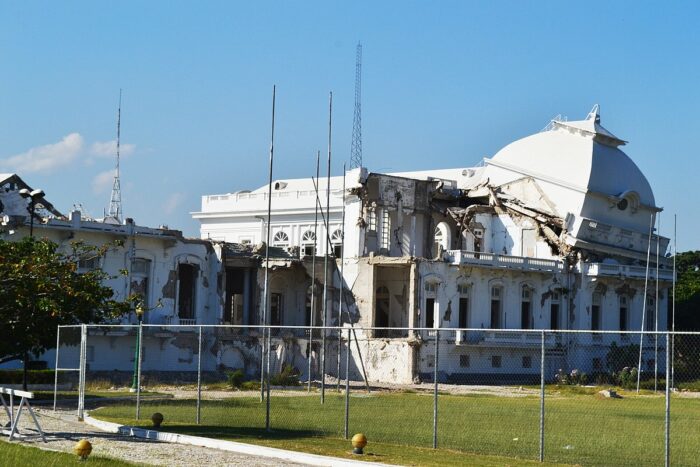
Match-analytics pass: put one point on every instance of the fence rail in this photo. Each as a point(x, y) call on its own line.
point(562, 396)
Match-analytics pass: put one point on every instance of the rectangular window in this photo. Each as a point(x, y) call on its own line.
point(429, 312)
point(463, 312)
point(187, 279)
point(526, 309)
point(464, 361)
point(496, 361)
point(595, 312)
point(386, 229)
point(554, 311)
point(650, 315)
point(140, 283)
point(372, 220)
point(597, 364)
point(623, 313)
point(527, 361)
point(88, 263)
point(276, 309)
point(529, 241)
point(495, 308)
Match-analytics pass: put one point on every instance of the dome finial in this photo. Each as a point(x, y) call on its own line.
point(594, 114)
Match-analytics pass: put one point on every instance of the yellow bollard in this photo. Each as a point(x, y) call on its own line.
point(157, 419)
point(83, 448)
point(359, 441)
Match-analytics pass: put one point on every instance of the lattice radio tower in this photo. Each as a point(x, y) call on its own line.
point(356, 146)
point(115, 200)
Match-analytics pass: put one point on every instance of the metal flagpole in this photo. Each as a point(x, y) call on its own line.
point(656, 307)
point(325, 260)
point(644, 308)
point(267, 266)
point(342, 288)
point(267, 257)
point(312, 312)
point(55, 368)
point(673, 307)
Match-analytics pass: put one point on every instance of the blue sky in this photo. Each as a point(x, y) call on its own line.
point(444, 84)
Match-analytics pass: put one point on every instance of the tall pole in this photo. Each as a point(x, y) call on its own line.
point(673, 307)
point(667, 440)
point(312, 312)
point(342, 288)
point(199, 376)
point(263, 351)
point(656, 306)
point(644, 308)
point(325, 259)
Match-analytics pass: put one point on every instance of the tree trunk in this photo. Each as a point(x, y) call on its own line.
point(24, 375)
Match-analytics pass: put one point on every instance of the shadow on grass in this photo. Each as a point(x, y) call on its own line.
point(242, 433)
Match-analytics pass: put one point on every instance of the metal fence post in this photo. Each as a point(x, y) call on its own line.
point(542, 400)
point(347, 387)
point(435, 389)
point(199, 376)
point(668, 402)
point(55, 368)
point(138, 372)
point(267, 380)
point(81, 379)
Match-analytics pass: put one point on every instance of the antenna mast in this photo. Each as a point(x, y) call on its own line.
point(115, 201)
point(356, 147)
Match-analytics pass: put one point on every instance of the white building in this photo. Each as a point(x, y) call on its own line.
point(550, 233)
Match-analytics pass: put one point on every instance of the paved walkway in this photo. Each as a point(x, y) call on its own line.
point(63, 431)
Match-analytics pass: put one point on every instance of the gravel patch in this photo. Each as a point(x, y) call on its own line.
point(63, 430)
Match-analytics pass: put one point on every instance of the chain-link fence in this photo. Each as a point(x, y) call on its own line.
point(590, 398)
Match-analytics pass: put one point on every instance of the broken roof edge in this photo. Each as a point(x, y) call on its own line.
point(13, 177)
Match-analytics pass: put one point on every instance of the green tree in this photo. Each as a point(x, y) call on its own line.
point(41, 288)
point(687, 291)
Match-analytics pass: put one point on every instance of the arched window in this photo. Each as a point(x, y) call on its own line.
point(280, 239)
point(441, 238)
point(431, 307)
point(308, 237)
point(308, 243)
point(337, 241)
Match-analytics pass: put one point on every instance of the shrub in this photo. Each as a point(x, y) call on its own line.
point(250, 385)
point(235, 378)
point(626, 378)
point(289, 376)
point(575, 378)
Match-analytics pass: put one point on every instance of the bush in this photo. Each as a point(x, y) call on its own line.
point(626, 378)
point(250, 385)
point(575, 378)
point(289, 376)
point(235, 378)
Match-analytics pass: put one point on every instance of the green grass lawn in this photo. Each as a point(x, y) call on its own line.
point(580, 428)
point(18, 455)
